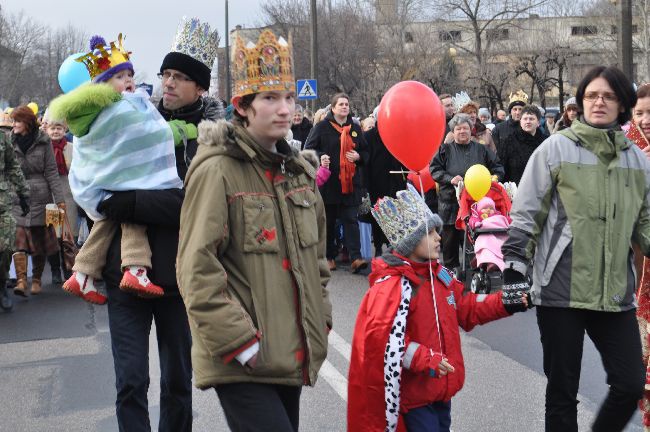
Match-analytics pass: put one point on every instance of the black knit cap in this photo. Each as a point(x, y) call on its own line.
point(514, 104)
point(191, 67)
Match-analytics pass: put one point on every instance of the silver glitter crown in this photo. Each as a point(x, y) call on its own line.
point(197, 41)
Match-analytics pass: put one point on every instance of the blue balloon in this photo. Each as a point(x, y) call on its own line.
point(72, 73)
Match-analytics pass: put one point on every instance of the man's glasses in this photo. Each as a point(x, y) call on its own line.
point(606, 97)
point(164, 76)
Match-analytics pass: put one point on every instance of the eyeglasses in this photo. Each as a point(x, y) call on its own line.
point(606, 97)
point(164, 76)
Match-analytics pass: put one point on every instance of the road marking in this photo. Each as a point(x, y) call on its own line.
point(340, 344)
point(334, 378)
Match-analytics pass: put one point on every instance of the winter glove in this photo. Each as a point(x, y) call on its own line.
point(120, 207)
point(515, 286)
point(24, 204)
point(182, 131)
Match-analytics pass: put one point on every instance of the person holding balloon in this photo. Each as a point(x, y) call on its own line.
point(448, 168)
point(583, 200)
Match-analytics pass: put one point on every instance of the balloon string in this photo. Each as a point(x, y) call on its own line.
point(433, 290)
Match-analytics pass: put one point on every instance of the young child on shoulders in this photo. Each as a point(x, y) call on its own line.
point(407, 362)
point(121, 143)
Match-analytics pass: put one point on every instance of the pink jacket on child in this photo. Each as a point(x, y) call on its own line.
point(322, 175)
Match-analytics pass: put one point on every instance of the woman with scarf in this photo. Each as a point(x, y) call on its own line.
point(517, 148)
point(639, 133)
point(56, 130)
point(582, 201)
point(480, 132)
point(34, 152)
point(342, 140)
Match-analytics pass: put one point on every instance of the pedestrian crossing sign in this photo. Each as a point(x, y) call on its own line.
point(307, 89)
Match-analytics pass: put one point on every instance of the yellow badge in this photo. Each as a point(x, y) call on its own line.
point(354, 134)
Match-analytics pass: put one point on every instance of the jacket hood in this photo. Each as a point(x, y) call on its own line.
point(394, 264)
point(222, 138)
point(80, 107)
point(604, 143)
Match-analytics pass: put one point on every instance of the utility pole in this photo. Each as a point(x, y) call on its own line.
point(624, 45)
point(314, 48)
point(228, 85)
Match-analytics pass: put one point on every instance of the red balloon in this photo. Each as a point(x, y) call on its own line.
point(411, 123)
point(425, 175)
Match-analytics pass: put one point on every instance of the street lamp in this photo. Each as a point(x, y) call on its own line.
point(228, 88)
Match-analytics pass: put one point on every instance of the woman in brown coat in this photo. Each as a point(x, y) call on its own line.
point(34, 152)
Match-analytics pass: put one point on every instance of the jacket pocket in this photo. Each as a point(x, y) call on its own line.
point(304, 211)
point(260, 228)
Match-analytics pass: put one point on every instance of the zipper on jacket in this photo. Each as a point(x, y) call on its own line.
point(282, 167)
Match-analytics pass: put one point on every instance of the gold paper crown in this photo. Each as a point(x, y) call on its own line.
point(519, 96)
point(402, 216)
point(265, 66)
point(99, 59)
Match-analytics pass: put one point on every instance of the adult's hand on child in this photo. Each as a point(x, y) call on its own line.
point(120, 207)
point(456, 180)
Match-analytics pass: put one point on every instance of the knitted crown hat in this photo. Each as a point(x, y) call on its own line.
point(405, 220)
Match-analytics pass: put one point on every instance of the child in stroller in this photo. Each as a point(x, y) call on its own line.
point(486, 225)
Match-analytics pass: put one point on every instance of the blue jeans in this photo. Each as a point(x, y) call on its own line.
point(435, 417)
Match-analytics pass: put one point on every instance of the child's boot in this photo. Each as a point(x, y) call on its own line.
point(135, 281)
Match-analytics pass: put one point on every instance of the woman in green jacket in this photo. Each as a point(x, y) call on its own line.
point(582, 201)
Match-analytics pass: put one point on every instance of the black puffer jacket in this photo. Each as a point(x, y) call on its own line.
point(301, 131)
point(515, 152)
point(503, 130)
point(379, 181)
point(455, 159)
point(160, 210)
point(324, 139)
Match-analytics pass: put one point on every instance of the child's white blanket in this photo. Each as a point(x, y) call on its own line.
point(129, 146)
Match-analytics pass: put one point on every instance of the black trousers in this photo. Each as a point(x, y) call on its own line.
point(130, 319)
point(451, 240)
point(252, 407)
point(616, 337)
point(348, 216)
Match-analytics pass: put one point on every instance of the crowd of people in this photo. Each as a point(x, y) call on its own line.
point(222, 224)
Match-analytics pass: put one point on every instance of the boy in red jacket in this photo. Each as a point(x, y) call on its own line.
point(406, 357)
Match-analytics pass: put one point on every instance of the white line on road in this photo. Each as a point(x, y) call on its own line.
point(340, 344)
point(334, 378)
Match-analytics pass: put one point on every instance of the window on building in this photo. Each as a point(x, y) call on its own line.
point(497, 34)
point(449, 36)
point(635, 29)
point(584, 30)
point(408, 37)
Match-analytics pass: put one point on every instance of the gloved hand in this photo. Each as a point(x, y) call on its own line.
point(24, 204)
point(120, 207)
point(516, 291)
point(434, 364)
point(182, 130)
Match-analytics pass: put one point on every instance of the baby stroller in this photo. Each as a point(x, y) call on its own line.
point(485, 274)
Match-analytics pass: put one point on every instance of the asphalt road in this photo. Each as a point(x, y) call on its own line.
point(56, 371)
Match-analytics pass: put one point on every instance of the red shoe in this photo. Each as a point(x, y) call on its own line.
point(146, 288)
point(94, 297)
point(72, 285)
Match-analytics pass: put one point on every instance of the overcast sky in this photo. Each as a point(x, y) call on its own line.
point(149, 26)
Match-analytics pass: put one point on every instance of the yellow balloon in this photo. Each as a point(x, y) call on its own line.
point(33, 107)
point(477, 181)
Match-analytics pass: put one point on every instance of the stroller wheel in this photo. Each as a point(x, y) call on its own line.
point(480, 283)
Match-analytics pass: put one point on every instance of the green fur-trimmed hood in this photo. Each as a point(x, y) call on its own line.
point(80, 107)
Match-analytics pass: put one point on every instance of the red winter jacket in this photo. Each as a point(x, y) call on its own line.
point(366, 403)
